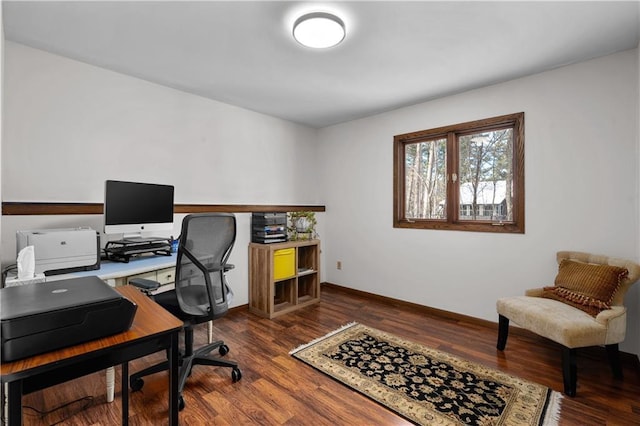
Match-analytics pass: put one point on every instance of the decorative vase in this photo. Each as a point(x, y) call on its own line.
point(302, 224)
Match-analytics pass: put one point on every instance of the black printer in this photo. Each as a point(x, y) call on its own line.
point(42, 317)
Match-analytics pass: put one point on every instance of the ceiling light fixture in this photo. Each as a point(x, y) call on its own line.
point(319, 30)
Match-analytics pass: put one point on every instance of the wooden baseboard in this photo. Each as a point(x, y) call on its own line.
point(456, 317)
point(423, 309)
point(244, 307)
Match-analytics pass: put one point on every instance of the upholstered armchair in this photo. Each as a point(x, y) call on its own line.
point(584, 308)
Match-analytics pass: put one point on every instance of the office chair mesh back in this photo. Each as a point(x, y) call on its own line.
point(206, 241)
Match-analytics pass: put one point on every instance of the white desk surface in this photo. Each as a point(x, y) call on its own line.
point(110, 270)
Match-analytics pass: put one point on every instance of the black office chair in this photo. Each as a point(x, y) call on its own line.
point(201, 291)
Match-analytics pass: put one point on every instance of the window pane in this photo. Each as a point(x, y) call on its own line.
point(486, 176)
point(464, 177)
point(425, 179)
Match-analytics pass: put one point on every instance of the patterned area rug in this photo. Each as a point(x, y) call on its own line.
point(427, 386)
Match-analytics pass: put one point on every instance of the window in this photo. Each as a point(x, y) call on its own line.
point(467, 177)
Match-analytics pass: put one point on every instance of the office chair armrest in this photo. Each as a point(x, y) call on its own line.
point(212, 267)
point(145, 285)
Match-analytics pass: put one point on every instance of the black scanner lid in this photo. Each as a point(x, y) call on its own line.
point(33, 299)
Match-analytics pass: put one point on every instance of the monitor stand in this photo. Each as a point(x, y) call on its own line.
point(123, 250)
point(140, 240)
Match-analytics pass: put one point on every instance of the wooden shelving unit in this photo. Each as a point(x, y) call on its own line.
point(270, 295)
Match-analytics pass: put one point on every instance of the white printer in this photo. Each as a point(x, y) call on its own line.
point(64, 250)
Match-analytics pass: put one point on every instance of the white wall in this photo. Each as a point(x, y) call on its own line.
point(638, 170)
point(1, 96)
point(94, 124)
point(581, 156)
point(70, 126)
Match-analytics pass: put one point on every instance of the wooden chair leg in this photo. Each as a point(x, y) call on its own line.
point(614, 360)
point(569, 371)
point(503, 332)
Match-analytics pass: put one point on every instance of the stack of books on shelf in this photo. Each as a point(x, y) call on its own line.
point(268, 228)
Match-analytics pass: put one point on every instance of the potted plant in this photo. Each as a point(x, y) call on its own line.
point(302, 225)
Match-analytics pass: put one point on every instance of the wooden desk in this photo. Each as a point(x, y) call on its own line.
point(116, 274)
point(153, 329)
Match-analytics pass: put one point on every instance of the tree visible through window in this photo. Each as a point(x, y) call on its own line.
point(469, 176)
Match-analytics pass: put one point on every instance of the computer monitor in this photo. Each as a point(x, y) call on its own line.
point(131, 208)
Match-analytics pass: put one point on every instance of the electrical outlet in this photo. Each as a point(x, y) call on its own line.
point(339, 264)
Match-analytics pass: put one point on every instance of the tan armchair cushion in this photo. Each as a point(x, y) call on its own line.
point(564, 324)
point(588, 287)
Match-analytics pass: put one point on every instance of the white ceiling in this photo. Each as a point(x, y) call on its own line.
point(395, 53)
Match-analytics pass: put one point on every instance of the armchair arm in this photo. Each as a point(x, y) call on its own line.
point(615, 321)
point(534, 292)
point(610, 314)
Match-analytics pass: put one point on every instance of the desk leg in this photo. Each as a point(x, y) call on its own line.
point(125, 393)
point(111, 383)
point(15, 403)
point(173, 380)
point(4, 391)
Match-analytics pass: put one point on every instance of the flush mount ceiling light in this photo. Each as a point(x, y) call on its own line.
point(318, 30)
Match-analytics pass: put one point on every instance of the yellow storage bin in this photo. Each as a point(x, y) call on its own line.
point(284, 263)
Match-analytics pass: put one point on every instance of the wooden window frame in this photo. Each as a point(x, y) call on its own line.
point(451, 133)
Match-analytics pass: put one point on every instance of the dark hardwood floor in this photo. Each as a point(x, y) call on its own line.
point(276, 389)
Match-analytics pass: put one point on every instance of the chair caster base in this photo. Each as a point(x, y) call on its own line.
point(223, 350)
point(136, 384)
point(236, 375)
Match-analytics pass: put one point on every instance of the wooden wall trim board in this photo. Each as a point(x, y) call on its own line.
point(44, 208)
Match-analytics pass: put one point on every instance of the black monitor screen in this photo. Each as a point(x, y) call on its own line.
point(132, 203)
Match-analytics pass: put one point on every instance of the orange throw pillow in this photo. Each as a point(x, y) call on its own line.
point(586, 286)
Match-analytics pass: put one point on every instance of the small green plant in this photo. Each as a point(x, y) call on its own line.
point(302, 225)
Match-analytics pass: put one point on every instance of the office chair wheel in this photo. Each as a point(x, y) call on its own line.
point(223, 350)
point(136, 384)
point(180, 403)
point(236, 375)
